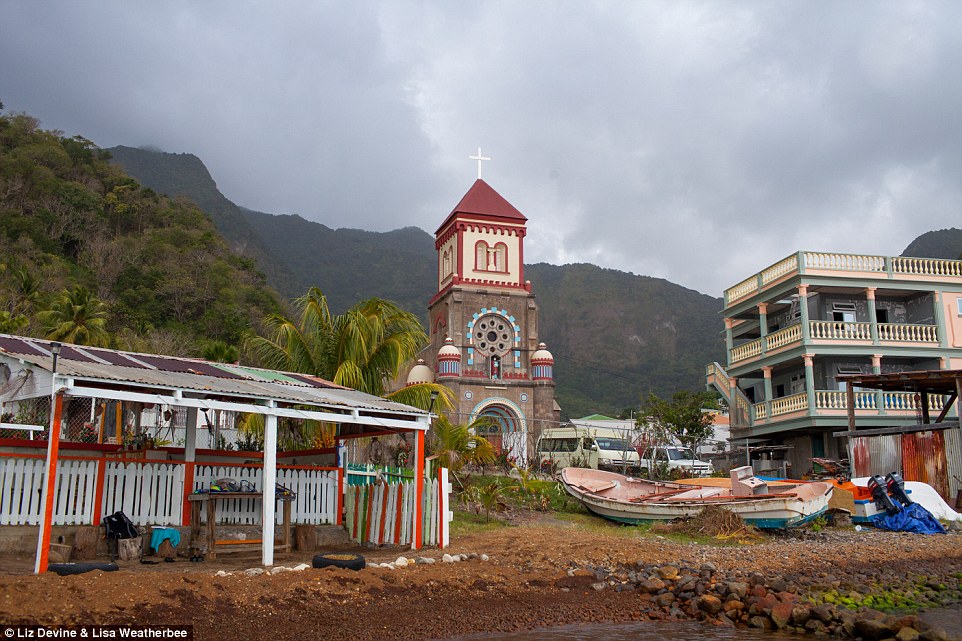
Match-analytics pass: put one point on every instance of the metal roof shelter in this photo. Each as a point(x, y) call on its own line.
point(942, 382)
point(34, 368)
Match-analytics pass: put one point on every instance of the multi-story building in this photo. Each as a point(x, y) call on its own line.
point(795, 329)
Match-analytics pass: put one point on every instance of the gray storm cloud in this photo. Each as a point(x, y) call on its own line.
point(693, 141)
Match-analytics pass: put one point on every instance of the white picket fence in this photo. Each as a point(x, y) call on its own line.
point(151, 493)
point(383, 514)
point(315, 503)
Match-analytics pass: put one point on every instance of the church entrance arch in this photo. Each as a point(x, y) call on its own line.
point(508, 430)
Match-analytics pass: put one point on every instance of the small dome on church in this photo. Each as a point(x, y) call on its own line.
point(420, 374)
point(542, 354)
point(449, 350)
point(542, 364)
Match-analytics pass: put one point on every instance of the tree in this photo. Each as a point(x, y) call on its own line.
point(458, 444)
point(681, 417)
point(220, 352)
point(76, 316)
point(364, 348)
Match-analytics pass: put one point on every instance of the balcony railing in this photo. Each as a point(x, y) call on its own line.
point(836, 400)
point(884, 267)
point(838, 331)
point(908, 333)
point(784, 337)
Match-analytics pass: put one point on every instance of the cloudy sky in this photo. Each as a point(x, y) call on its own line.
point(693, 141)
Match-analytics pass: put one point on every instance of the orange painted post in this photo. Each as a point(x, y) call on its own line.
point(120, 422)
point(53, 453)
point(188, 490)
point(99, 491)
point(417, 538)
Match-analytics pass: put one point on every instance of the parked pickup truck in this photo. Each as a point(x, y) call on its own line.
point(675, 457)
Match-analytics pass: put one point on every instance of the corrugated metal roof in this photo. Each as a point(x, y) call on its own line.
point(209, 379)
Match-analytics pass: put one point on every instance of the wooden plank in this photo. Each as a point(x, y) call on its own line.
point(945, 425)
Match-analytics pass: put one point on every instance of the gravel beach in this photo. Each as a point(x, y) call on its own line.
point(542, 572)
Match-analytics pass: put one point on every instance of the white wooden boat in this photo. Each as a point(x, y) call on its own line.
point(630, 500)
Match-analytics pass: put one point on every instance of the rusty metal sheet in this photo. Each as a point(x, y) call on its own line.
point(877, 455)
point(923, 459)
point(953, 459)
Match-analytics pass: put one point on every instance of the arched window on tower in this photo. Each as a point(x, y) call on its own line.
point(500, 256)
point(481, 256)
point(445, 264)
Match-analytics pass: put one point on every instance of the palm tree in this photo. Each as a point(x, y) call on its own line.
point(458, 444)
point(220, 352)
point(76, 316)
point(364, 348)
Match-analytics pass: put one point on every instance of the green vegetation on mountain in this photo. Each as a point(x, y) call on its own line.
point(185, 175)
point(88, 255)
point(615, 336)
point(944, 243)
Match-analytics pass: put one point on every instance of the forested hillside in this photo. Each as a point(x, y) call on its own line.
point(944, 243)
point(615, 336)
point(89, 255)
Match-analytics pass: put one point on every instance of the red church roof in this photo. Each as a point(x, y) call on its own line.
point(483, 200)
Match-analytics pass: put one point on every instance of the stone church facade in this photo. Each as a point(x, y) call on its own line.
point(484, 342)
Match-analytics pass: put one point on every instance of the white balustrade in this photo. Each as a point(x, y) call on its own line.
point(838, 330)
point(782, 337)
point(926, 266)
point(761, 411)
point(788, 404)
point(835, 400)
point(908, 333)
point(743, 288)
point(780, 268)
point(844, 262)
point(746, 350)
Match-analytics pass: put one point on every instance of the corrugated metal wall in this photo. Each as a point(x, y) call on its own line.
point(930, 457)
point(923, 459)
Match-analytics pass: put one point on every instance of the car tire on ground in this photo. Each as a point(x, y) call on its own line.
point(348, 561)
point(63, 569)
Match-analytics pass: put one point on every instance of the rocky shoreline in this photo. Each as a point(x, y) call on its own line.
point(823, 606)
point(833, 584)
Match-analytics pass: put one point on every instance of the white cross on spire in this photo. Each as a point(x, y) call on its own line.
point(479, 158)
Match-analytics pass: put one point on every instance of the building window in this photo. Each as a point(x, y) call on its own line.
point(882, 315)
point(445, 264)
point(490, 259)
point(481, 256)
point(958, 303)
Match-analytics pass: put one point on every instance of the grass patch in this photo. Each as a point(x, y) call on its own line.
point(471, 523)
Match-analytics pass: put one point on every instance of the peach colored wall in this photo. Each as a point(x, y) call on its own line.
point(513, 243)
point(451, 246)
point(953, 320)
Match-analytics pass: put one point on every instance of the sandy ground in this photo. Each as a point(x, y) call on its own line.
point(524, 584)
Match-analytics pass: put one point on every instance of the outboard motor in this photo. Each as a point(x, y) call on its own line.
point(896, 488)
point(876, 485)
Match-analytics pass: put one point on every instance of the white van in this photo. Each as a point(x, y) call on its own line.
point(675, 457)
point(595, 447)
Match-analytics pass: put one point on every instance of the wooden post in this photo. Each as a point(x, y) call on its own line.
point(50, 485)
point(417, 532)
point(270, 479)
point(99, 490)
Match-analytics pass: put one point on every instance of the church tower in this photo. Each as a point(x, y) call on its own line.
point(484, 324)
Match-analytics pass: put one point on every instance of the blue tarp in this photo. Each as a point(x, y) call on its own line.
point(911, 518)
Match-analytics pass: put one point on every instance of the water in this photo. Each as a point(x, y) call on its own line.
point(638, 631)
point(948, 618)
